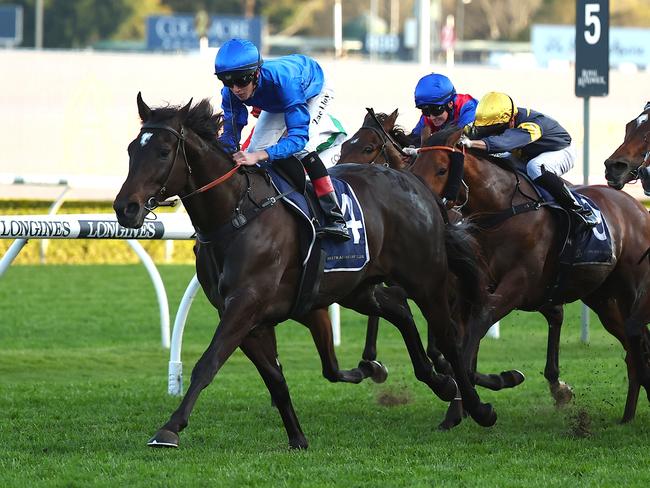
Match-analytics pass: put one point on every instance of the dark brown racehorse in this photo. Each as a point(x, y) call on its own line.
point(525, 267)
point(250, 273)
point(631, 159)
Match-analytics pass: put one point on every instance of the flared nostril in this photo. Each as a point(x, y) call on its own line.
point(131, 210)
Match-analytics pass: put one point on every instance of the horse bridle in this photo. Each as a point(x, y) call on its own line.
point(153, 202)
point(384, 141)
point(445, 200)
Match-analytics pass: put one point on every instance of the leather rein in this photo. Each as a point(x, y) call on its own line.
point(153, 202)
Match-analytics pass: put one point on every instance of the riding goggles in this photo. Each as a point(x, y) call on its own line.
point(241, 81)
point(434, 110)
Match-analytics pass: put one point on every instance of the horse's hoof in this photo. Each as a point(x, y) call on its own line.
point(374, 370)
point(448, 390)
point(298, 443)
point(484, 415)
point(449, 423)
point(164, 438)
point(514, 377)
point(562, 393)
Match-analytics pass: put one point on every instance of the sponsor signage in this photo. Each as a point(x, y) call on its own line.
point(91, 227)
point(11, 25)
point(592, 48)
point(382, 43)
point(178, 32)
point(627, 45)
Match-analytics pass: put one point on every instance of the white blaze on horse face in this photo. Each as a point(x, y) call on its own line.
point(145, 138)
point(354, 141)
point(641, 119)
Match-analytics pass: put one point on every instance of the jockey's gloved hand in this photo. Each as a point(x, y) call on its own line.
point(465, 141)
point(411, 151)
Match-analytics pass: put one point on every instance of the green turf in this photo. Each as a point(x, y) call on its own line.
point(83, 382)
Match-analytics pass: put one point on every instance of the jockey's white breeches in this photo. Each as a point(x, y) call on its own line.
point(270, 127)
point(558, 162)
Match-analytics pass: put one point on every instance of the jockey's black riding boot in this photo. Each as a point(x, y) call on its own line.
point(559, 191)
point(334, 224)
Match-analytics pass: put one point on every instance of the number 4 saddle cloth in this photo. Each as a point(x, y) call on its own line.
point(350, 255)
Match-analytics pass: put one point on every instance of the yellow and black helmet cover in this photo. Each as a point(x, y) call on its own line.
point(493, 114)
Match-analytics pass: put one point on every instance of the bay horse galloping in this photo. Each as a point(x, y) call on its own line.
point(251, 272)
point(522, 241)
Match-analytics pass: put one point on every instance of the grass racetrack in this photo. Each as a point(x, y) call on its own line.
point(83, 385)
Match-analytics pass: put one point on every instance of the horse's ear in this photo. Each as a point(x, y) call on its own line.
point(182, 113)
point(143, 108)
point(389, 123)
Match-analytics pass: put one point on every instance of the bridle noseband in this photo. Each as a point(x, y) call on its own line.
point(153, 202)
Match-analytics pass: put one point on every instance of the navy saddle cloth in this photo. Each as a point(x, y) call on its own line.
point(585, 245)
point(350, 255)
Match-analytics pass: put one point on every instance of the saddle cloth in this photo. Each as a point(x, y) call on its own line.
point(584, 245)
point(350, 255)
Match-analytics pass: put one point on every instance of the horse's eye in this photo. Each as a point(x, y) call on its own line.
point(164, 153)
point(442, 171)
point(368, 149)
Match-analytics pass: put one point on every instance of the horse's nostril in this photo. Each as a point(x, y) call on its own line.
point(131, 209)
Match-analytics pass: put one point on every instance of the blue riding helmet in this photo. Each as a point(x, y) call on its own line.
point(434, 89)
point(237, 56)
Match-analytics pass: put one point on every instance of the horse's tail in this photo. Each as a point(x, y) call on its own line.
point(466, 263)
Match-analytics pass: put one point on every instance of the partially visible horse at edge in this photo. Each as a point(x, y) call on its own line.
point(631, 160)
point(251, 274)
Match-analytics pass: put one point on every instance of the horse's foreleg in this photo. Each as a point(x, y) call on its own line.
point(230, 332)
point(260, 348)
point(562, 392)
point(612, 319)
point(442, 330)
point(318, 323)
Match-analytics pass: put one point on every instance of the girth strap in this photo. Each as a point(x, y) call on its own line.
point(240, 220)
point(495, 219)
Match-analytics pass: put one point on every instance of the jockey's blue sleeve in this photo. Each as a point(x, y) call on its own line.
point(417, 130)
point(235, 118)
point(296, 118)
point(467, 113)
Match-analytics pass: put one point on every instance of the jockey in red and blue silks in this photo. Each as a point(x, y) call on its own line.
point(294, 98)
point(441, 106)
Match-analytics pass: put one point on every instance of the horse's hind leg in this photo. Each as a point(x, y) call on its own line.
point(390, 304)
point(260, 348)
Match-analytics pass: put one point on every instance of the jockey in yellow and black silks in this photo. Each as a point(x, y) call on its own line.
point(546, 147)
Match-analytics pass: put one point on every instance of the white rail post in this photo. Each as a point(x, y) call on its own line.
point(11, 254)
point(175, 370)
point(161, 294)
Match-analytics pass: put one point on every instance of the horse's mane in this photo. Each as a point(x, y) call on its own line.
point(440, 138)
point(201, 119)
point(397, 132)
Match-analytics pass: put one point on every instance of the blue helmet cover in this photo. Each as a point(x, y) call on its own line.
point(237, 55)
point(434, 89)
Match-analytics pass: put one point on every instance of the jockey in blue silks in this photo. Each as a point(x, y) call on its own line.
point(294, 98)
